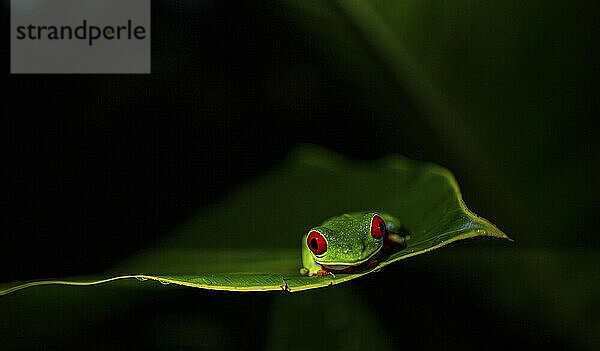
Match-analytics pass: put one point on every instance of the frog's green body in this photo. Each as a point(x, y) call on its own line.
point(349, 242)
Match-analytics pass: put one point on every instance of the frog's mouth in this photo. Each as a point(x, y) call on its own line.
point(337, 267)
point(346, 267)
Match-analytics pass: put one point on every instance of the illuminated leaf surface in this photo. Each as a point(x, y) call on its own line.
point(251, 241)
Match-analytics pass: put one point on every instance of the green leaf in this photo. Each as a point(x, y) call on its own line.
point(443, 59)
point(251, 242)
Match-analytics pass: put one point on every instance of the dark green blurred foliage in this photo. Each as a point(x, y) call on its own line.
point(504, 88)
point(501, 93)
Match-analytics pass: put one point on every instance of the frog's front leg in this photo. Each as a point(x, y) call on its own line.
point(396, 234)
point(397, 239)
point(309, 266)
point(393, 242)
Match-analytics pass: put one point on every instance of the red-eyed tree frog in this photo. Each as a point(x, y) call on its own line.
point(344, 243)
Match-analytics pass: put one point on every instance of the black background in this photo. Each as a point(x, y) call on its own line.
point(128, 157)
point(100, 166)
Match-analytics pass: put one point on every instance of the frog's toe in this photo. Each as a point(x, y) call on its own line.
point(324, 273)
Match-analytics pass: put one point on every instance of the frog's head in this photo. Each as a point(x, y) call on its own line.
point(347, 240)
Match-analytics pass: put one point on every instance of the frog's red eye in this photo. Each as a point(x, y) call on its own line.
point(377, 227)
point(316, 242)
